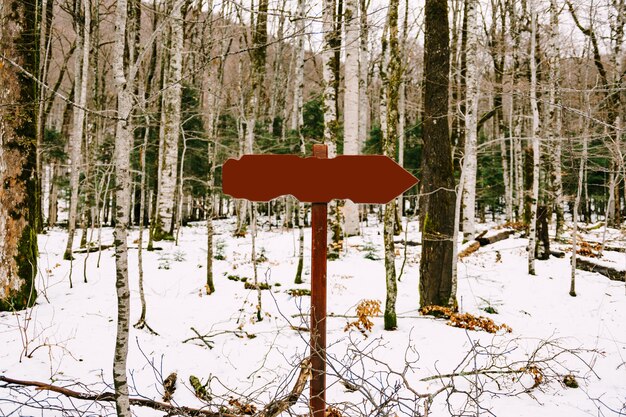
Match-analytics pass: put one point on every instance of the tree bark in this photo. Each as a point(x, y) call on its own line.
point(297, 122)
point(363, 74)
point(535, 144)
point(81, 78)
point(170, 129)
point(18, 138)
point(438, 193)
point(554, 116)
point(470, 163)
point(351, 105)
point(123, 143)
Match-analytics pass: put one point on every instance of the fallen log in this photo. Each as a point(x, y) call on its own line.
point(557, 253)
point(91, 249)
point(489, 239)
point(407, 243)
point(613, 274)
point(620, 249)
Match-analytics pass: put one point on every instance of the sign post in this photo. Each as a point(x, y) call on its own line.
point(319, 235)
point(373, 179)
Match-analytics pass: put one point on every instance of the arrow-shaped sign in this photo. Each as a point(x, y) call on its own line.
point(373, 179)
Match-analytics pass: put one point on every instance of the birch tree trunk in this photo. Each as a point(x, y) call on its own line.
point(351, 105)
point(171, 126)
point(328, 61)
point(81, 78)
point(535, 145)
point(123, 143)
point(18, 174)
point(581, 177)
point(297, 121)
point(471, 121)
point(364, 107)
point(391, 82)
point(554, 116)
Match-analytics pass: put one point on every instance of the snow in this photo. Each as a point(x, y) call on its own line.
point(70, 333)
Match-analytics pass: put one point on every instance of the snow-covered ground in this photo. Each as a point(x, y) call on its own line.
point(68, 337)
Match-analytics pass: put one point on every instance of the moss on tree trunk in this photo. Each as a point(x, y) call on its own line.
point(18, 173)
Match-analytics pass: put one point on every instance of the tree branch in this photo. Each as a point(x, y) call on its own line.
point(270, 410)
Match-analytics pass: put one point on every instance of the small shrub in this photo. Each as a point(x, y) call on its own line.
point(220, 248)
point(299, 292)
point(570, 381)
point(364, 311)
point(261, 285)
point(589, 249)
point(490, 310)
point(536, 373)
point(164, 262)
point(179, 256)
point(261, 256)
point(464, 320)
point(237, 278)
point(370, 252)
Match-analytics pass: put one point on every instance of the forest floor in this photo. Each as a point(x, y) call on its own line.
point(68, 337)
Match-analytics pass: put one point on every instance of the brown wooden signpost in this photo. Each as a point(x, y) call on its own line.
point(372, 179)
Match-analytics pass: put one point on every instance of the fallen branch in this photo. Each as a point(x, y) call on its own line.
point(110, 397)
point(476, 372)
point(557, 253)
point(91, 249)
point(270, 410)
point(488, 240)
point(209, 343)
point(407, 243)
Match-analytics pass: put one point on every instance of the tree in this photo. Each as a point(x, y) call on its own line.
point(471, 120)
point(351, 105)
point(19, 52)
point(534, 196)
point(170, 126)
point(297, 121)
point(438, 194)
point(124, 81)
point(81, 79)
point(391, 74)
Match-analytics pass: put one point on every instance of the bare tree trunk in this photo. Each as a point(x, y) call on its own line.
point(142, 322)
point(330, 63)
point(297, 122)
point(18, 171)
point(45, 55)
point(535, 144)
point(81, 78)
point(351, 105)
point(581, 172)
point(470, 164)
point(554, 116)
point(53, 195)
point(171, 126)
point(391, 73)
point(363, 75)
point(123, 143)
point(438, 193)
